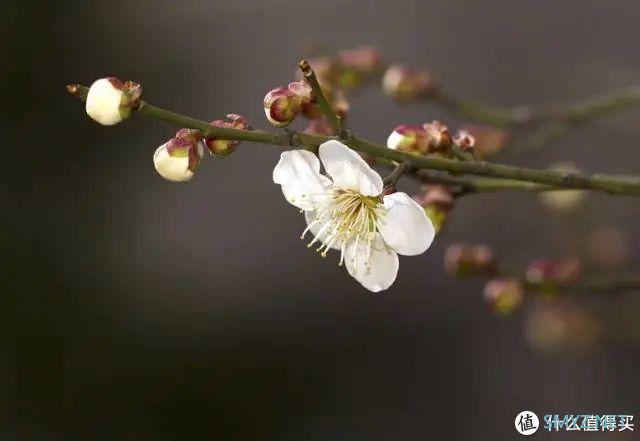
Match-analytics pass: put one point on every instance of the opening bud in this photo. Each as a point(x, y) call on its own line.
point(178, 159)
point(109, 100)
point(464, 260)
point(464, 140)
point(504, 294)
point(404, 84)
point(440, 139)
point(281, 106)
point(224, 147)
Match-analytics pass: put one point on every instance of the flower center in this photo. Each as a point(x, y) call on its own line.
point(345, 217)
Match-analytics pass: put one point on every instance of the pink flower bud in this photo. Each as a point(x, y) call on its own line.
point(405, 84)
point(546, 272)
point(178, 159)
point(302, 90)
point(463, 260)
point(319, 126)
point(464, 140)
point(440, 139)
point(224, 147)
point(504, 294)
point(281, 106)
point(366, 59)
point(358, 65)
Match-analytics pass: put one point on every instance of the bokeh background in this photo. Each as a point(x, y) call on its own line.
point(132, 308)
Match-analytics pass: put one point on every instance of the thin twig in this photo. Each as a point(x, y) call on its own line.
point(392, 179)
point(321, 101)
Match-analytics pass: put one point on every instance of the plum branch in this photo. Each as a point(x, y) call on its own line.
point(554, 180)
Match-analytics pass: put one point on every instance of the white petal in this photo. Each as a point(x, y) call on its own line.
point(348, 170)
point(298, 172)
point(405, 227)
point(175, 169)
point(379, 271)
point(103, 103)
point(314, 228)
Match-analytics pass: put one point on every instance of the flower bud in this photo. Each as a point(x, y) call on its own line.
point(358, 65)
point(555, 327)
point(437, 201)
point(224, 147)
point(440, 139)
point(504, 294)
point(409, 138)
point(404, 84)
point(110, 101)
point(178, 159)
point(464, 140)
point(281, 106)
point(488, 140)
point(463, 260)
point(319, 126)
point(563, 201)
point(546, 272)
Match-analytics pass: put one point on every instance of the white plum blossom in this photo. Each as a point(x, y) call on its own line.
point(347, 211)
point(179, 158)
point(107, 101)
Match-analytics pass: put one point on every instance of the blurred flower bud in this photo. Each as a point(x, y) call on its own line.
point(302, 90)
point(608, 247)
point(405, 84)
point(563, 201)
point(440, 139)
point(546, 272)
point(339, 103)
point(504, 294)
point(408, 138)
point(554, 326)
point(110, 101)
point(437, 201)
point(464, 260)
point(464, 140)
point(488, 140)
point(281, 106)
point(319, 126)
point(178, 159)
point(223, 147)
point(358, 65)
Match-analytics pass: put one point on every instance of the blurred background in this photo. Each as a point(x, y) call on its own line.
point(133, 308)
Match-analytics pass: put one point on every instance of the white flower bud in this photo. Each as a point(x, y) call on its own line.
point(178, 159)
point(108, 102)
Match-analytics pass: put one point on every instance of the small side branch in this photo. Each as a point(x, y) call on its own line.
point(392, 179)
point(321, 101)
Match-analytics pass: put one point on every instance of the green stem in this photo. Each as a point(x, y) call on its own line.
point(612, 184)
